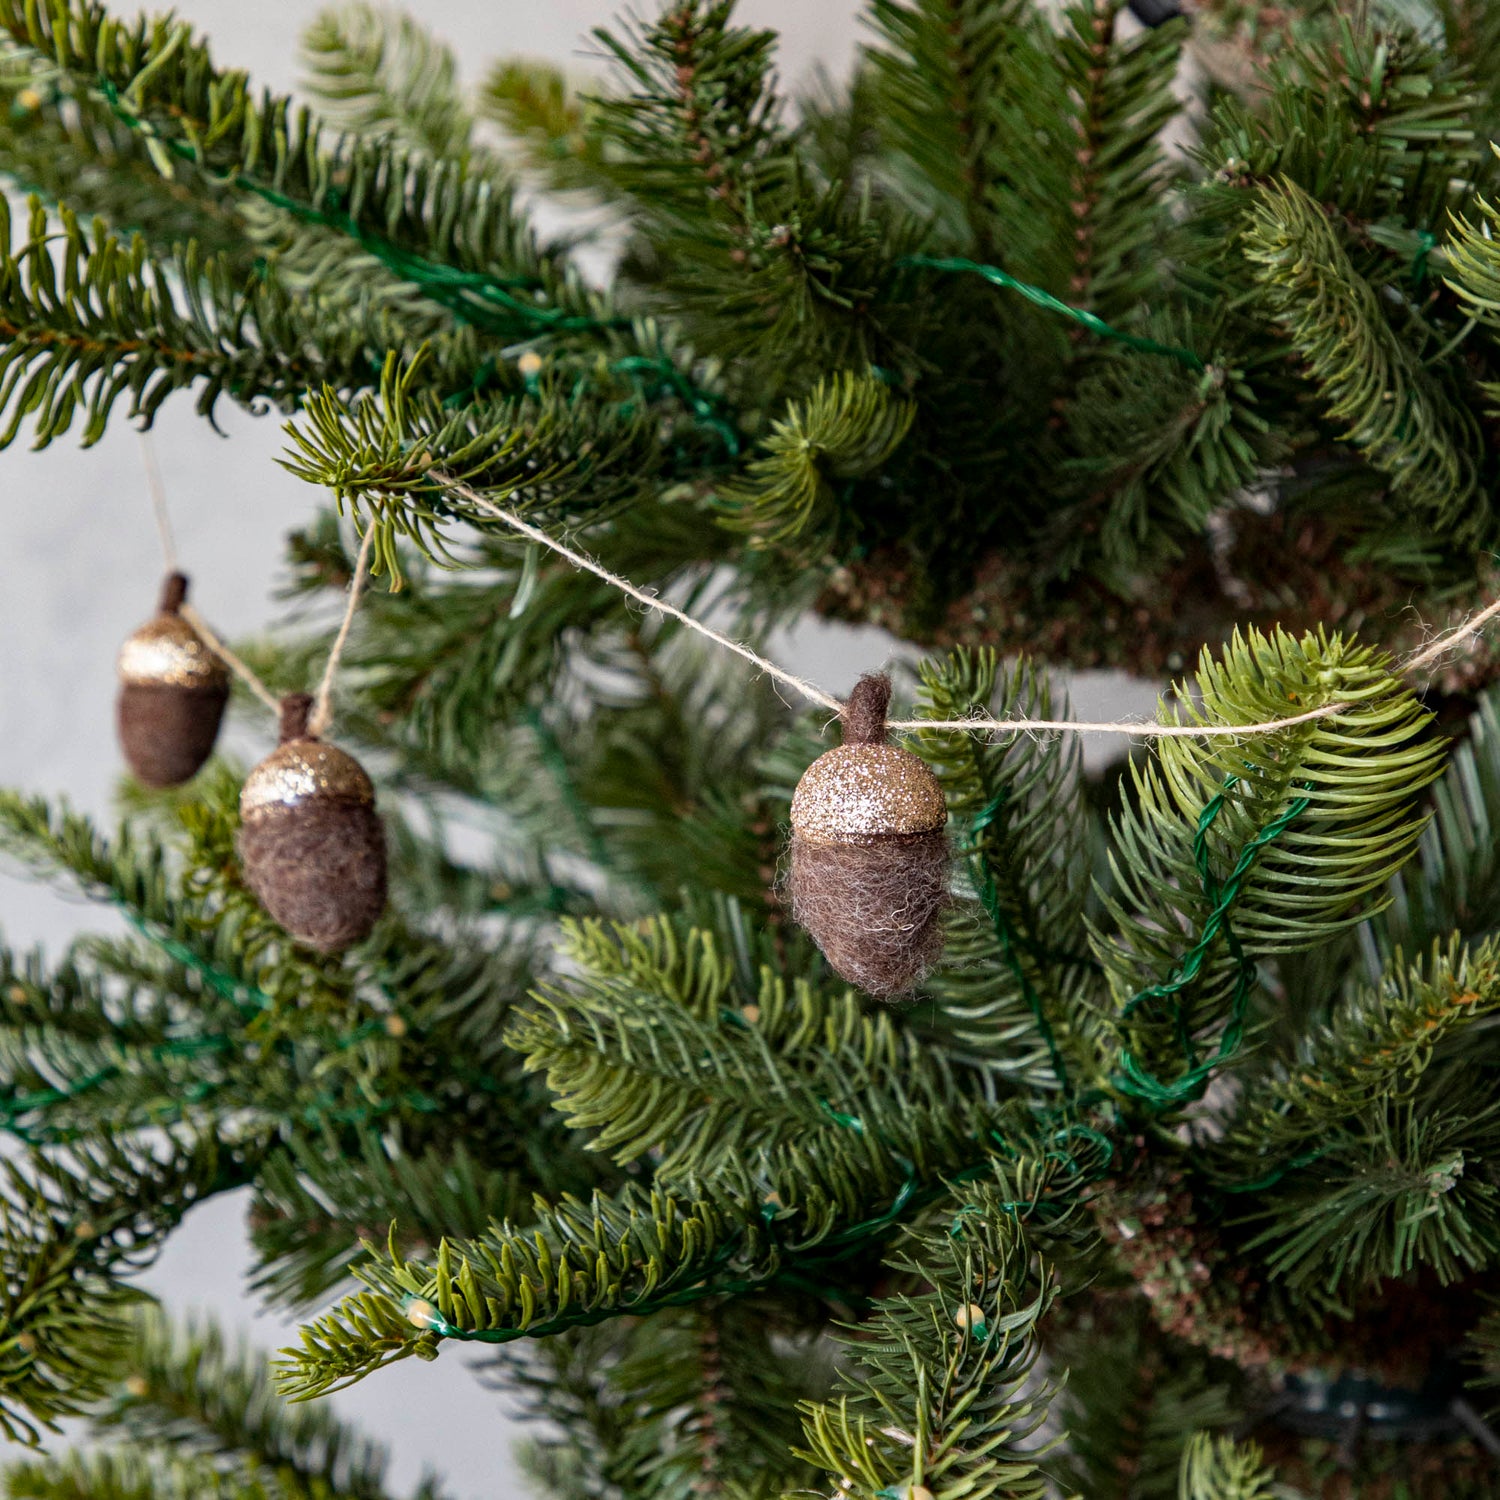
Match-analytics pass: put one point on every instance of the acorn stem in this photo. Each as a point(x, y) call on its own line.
point(864, 714)
point(174, 590)
point(296, 709)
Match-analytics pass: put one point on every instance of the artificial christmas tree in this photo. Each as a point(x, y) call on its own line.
point(1179, 1173)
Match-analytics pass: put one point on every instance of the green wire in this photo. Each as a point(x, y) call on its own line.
point(1133, 1080)
point(1045, 299)
point(472, 295)
point(226, 987)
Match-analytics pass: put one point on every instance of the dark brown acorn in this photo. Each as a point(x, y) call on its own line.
point(311, 842)
point(869, 861)
point(172, 695)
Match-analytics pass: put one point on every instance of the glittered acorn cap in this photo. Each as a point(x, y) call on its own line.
point(167, 652)
point(865, 788)
point(302, 768)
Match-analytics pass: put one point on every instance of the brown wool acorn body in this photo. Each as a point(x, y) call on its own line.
point(869, 859)
point(172, 695)
point(311, 842)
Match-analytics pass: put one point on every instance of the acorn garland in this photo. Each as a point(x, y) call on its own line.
point(311, 842)
point(173, 689)
point(869, 859)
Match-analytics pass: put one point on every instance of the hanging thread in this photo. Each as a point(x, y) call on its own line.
point(625, 586)
point(158, 493)
point(230, 660)
point(322, 713)
point(978, 722)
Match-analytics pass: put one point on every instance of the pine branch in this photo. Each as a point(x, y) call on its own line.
point(1453, 885)
point(940, 1386)
point(1154, 463)
point(652, 1048)
point(533, 454)
point(581, 1262)
point(192, 1397)
point(1132, 1402)
point(77, 1057)
point(268, 1032)
point(1471, 30)
point(794, 1210)
point(555, 126)
point(1372, 388)
point(743, 247)
point(1373, 1049)
point(946, 74)
point(60, 1334)
point(73, 1224)
point(1372, 121)
point(1473, 274)
point(316, 1200)
point(1017, 964)
point(123, 1474)
point(76, 152)
point(383, 76)
point(699, 139)
point(693, 1401)
point(1118, 174)
point(450, 233)
point(235, 951)
point(86, 320)
point(1329, 802)
point(1217, 1468)
point(845, 429)
point(1404, 1184)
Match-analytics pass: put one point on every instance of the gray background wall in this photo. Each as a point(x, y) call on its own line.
point(79, 570)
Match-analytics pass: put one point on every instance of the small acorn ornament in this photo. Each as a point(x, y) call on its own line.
point(311, 842)
point(173, 689)
point(869, 859)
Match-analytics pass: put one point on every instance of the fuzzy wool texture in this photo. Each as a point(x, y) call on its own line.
point(168, 730)
point(875, 907)
point(319, 869)
point(873, 902)
point(863, 716)
point(317, 864)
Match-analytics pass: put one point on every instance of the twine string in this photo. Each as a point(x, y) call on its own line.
point(977, 722)
point(158, 492)
point(322, 714)
point(651, 601)
point(1450, 640)
point(240, 668)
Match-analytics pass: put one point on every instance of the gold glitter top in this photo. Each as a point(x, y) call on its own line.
point(299, 770)
point(857, 791)
point(167, 652)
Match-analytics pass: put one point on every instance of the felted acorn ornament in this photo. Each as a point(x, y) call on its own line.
point(173, 689)
point(311, 842)
point(869, 859)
